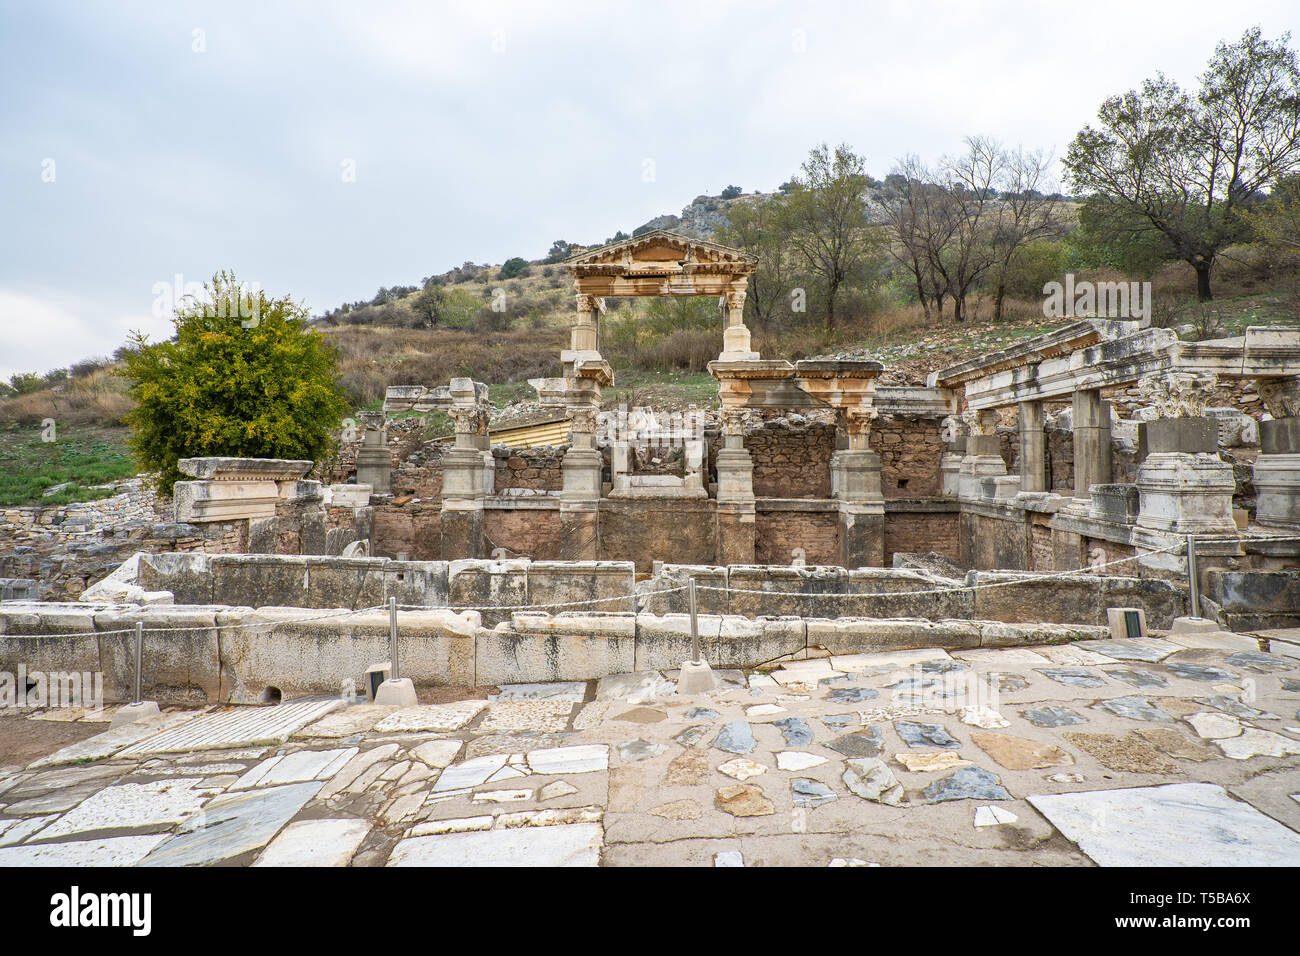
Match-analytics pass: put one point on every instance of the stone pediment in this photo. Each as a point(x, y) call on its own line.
point(661, 253)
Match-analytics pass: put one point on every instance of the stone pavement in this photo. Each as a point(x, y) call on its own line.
point(1182, 750)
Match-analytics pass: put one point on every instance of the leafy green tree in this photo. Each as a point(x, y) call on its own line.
point(731, 192)
point(242, 376)
point(762, 228)
point(24, 383)
point(1117, 237)
point(512, 268)
point(1188, 165)
point(560, 250)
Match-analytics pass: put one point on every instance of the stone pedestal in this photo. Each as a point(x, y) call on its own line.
point(462, 504)
point(983, 460)
point(374, 462)
point(1181, 494)
point(861, 509)
point(1277, 475)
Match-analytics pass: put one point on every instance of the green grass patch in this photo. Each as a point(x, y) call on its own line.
point(85, 455)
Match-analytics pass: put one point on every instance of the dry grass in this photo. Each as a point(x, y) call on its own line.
point(97, 399)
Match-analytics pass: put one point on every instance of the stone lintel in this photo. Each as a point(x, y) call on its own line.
point(244, 469)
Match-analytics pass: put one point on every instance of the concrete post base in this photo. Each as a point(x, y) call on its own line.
point(1194, 625)
point(396, 692)
point(696, 677)
point(130, 713)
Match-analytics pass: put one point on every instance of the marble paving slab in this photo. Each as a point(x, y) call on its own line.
point(244, 727)
point(575, 844)
point(1178, 824)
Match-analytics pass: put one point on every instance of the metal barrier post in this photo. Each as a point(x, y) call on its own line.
point(695, 630)
point(139, 661)
point(392, 638)
point(1193, 586)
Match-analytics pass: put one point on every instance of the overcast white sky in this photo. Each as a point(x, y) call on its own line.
point(483, 130)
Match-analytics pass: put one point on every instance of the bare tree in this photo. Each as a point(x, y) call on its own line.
point(827, 207)
point(1023, 214)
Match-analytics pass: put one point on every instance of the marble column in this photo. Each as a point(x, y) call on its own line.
point(861, 503)
point(1092, 456)
point(735, 334)
point(581, 472)
point(735, 503)
point(1033, 450)
point(1277, 469)
point(463, 488)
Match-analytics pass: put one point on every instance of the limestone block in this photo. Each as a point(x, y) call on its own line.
point(561, 582)
point(670, 576)
point(533, 648)
point(256, 580)
point(181, 662)
point(187, 576)
point(862, 635)
point(198, 502)
point(778, 582)
point(331, 654)
point(895, 587)
point(345, 582)
point(489, 585)
point(417, 582)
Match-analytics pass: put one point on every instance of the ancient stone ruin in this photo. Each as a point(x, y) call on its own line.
point(1017, 498)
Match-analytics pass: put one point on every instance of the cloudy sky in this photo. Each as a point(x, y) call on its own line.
point(327, 149)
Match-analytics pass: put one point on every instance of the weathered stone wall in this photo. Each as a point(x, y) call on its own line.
point(408, 526)
point(910, 451)
point(921, 531)
point(784, 532)
point(532, 533)
point(535, 469)
point(658, 529)
point(791, 460)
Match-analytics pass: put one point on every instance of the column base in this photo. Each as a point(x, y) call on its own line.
point(736, 524)
point(580, 530)
point(462, 530)
point(862, 535)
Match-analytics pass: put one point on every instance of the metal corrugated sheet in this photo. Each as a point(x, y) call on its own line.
point(526, 436)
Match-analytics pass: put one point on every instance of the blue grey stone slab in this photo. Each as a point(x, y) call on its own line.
point(231, 825)
point(1150, 650)
point(702, 713)
point(925, 735)
point(692, 735)
point(1138, 678)
point(839, 721)
point(966, 783)
point(835, 679)
point(915, 683)
point(852, 695)
point(735, 737)
point(866, 743)
point(811, 793)
point(1007, 682)
point(1072, 676)
point(1230, 705)
point(639, 749)
point(1291, 685)
point(1052, 716)
point(943, 666)
point(1263, 663)
point(1200, 672)
point(1134, 708)
point(795, 731)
